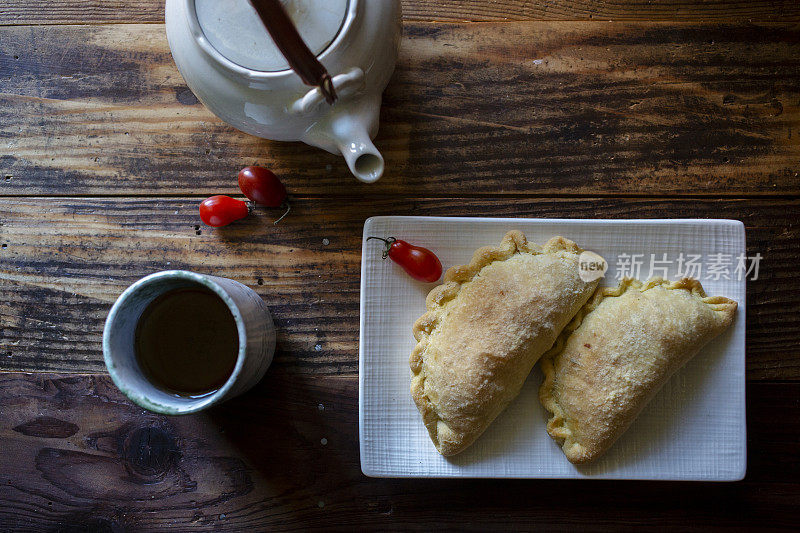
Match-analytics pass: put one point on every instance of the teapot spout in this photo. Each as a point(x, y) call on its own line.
point(348, 131)
point(364, 160)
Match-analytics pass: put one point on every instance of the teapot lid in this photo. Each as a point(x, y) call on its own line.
point(235, 31)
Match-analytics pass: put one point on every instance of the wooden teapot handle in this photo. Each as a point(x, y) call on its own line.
point(294, 49)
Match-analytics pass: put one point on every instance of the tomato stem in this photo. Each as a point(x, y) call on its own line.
point(288, 208)
point(388, 242)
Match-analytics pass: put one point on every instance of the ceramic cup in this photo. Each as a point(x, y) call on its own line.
point(253, 321)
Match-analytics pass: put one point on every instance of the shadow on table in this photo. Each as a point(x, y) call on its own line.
point(297, 432)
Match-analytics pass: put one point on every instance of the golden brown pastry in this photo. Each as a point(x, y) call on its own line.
point(486, 326)
point(618, 352)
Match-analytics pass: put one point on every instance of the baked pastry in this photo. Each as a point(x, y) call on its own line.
point(617, 354)
point(485, 328)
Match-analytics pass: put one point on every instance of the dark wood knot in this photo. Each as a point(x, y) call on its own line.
point(150, 452)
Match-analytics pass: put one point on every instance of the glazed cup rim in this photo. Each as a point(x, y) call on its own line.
point(141, 398)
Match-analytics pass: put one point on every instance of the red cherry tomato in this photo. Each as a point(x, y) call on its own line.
point(221, 210)
point(420, 263)
point(262, 186)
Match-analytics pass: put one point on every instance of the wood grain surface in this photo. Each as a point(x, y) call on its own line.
point(78, 456)
point(67, 259)
point(545, 108)
point(104, 11)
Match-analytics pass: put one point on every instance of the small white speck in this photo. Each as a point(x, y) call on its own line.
point(323, 441)
point(325, 242)
point(538, 61)
point(321, 407)
point(317, 347)
point(169, 263)
point(320, 504)
point(222, 516)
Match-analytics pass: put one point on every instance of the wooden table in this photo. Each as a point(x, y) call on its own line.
point(564, 108)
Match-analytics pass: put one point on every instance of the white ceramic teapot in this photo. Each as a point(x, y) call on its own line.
point(231, 64)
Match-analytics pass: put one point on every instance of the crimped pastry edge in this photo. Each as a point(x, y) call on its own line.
point(557, 426)
point(513, 242)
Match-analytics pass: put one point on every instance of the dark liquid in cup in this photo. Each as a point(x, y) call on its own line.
point(187, 342)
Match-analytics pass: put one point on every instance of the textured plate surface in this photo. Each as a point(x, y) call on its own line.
point(694, 429)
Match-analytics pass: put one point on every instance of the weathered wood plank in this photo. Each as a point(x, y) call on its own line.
point(65, 260)
point(20, 12)
point(519, 108)
point(17, 12)
point(662, 10)
point(77, 455)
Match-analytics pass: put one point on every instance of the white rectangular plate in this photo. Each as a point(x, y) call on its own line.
point(694, 429)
